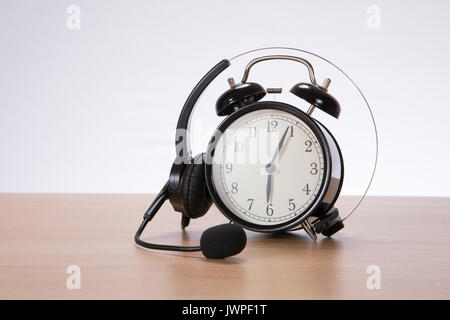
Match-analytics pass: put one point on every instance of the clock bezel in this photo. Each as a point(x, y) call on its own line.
point(275, 105)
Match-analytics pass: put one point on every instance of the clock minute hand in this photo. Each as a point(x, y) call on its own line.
point(280, 145)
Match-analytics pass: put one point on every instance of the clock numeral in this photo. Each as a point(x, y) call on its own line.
point(234, 188)
point(314, 168)
point(238, 146)
point(269, 209)
point(291, 205)
point(307, 189)
point(308, 144)
point(292, 130)
point(251, 203)
point(272, 126)
point(228, 167)
point(252, 132)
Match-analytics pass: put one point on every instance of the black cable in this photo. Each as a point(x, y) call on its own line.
point(162, 196)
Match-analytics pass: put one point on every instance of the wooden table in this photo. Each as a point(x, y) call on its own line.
point(42, 234)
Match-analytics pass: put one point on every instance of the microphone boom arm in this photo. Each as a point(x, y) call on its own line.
point(162, 196)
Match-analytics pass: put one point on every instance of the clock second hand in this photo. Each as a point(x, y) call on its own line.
point(270, 167)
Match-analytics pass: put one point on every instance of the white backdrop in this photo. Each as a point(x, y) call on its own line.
point(92, 109)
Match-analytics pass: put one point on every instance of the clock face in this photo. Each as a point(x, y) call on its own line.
point(268, 167)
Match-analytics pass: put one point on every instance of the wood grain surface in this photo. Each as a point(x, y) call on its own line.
point(42, 234)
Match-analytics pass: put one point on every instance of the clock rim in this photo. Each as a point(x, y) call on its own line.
point(275, 105)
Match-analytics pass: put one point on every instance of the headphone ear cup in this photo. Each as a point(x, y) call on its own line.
point(196, 197)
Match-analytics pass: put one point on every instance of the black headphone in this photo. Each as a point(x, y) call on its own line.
point(186, 188)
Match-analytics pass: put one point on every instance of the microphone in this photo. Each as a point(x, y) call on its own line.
point(217, 242)
point(222, 241)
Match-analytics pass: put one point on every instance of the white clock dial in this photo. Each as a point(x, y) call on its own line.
point(268, 167)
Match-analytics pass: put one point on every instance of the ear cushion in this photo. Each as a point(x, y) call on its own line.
point(196, 196)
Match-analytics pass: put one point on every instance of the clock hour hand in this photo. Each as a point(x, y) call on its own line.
point(269, 187)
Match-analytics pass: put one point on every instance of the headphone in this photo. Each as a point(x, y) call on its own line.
point(186, 187)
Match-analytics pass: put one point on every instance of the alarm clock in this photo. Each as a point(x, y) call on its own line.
point(301, 177)
point(269, 166)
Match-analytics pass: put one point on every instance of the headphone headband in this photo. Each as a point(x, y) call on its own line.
point(308, 65)
point(182, 143)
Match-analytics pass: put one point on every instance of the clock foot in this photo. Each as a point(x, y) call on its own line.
point(309, 229)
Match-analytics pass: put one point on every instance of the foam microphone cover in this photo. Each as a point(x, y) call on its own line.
point(223, 241)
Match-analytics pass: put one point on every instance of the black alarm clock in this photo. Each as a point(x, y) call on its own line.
point(269, 166)
point(302, 176)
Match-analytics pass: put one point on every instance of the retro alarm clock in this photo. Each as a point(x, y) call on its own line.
point(269, 166)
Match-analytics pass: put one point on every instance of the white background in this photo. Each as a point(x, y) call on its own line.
point(93, 110)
